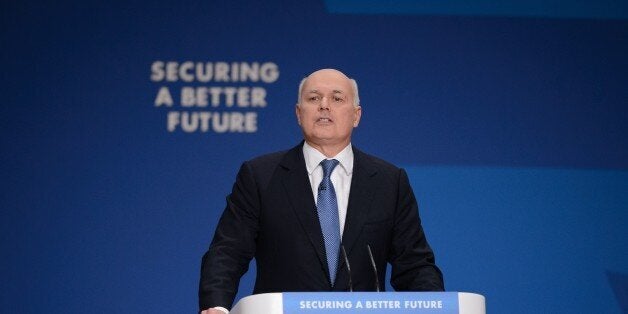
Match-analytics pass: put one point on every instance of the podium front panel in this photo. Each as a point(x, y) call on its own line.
point(362, 302)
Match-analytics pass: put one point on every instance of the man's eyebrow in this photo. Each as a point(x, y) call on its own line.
point(315, 91)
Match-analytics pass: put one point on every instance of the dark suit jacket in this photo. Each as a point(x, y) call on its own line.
point(271, 216)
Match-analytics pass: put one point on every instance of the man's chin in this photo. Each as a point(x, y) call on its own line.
point(322, 140)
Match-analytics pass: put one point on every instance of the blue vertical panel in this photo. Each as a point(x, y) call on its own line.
point(527, 238)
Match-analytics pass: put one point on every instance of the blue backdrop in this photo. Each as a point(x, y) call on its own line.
point(124, 123)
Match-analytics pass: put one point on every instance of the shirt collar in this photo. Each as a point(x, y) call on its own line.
point(313, 158)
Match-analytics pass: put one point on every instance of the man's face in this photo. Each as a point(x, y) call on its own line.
point(326, 111)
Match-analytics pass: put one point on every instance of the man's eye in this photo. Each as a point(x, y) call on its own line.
point(338, 99)
point(314, 98)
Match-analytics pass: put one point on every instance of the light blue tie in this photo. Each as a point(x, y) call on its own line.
point(327, 207)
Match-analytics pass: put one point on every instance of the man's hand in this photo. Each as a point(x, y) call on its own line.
point(214, 310)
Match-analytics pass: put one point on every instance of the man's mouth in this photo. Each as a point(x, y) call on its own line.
point(324, 120)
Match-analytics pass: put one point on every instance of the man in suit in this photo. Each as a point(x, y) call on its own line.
point(295, 211)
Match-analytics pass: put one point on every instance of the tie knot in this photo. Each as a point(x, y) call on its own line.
point(328, 166)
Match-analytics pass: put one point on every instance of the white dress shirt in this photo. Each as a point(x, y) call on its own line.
point(340, 177)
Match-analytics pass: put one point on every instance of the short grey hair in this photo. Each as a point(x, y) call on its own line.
point(354, 87)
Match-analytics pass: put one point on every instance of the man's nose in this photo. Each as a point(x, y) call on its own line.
point(324, 104)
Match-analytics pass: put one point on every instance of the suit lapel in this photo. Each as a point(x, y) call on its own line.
point(363, 188)
point(299, 191)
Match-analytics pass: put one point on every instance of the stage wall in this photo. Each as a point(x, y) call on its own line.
point(124, 123)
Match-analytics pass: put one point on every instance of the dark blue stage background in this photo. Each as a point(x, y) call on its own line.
point(511, 120)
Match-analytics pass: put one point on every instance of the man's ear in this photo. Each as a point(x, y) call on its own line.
point(358, 115)
point(297, 113)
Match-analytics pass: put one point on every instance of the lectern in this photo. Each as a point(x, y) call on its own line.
point(362, 302)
